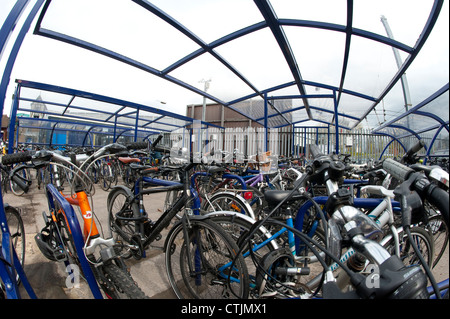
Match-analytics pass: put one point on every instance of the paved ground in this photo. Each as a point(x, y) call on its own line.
point(48, 278)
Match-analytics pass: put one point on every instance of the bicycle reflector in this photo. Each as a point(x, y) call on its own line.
point(248, 195)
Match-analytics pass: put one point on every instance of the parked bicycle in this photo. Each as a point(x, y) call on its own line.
point(195, 248)
point(83, 249)
point(279, 269)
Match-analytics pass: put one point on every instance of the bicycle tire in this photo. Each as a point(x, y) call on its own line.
point(65, 236)
point(23, 174)
point(121, 230)
point(120, 284)
point(439, 230)
point(423, 241)
point(114, 281)
point(205, 282)
point(238, 227)
point(268, 280)
point(17, 233)
point(227, 201)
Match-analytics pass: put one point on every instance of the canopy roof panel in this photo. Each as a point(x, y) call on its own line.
point(56, 108)
point(332, 62)
point(428, 121)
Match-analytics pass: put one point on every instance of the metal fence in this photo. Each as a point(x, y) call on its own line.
point(360, 143)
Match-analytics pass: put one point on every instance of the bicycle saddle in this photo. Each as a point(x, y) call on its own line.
point(273, 197)
point(127, 160)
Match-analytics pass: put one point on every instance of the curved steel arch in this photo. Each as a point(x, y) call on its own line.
point(275, 24)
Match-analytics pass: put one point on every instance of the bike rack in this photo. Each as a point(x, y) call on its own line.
point(11, 264)
point(53, 195)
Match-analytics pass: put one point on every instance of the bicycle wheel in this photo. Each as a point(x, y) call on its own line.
point(128, 177)
point(117, 283)
point(269, 282)
point(17, 231)
point(238, 227)
point(121, 227)
point(66, 241)
point(199, 266)
point(439, 230)
point(104, 177)
point(227, 201)
point(423, 241)
point(23, 174)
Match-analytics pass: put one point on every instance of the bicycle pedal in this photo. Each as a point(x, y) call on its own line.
point(59, 255)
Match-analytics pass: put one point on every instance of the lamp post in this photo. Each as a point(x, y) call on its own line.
point(204, 98)
point(398, 59)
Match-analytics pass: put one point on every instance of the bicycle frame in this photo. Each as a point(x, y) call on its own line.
point(138, 192)
point(377, 205)
point(81, 200)
point(53, 195)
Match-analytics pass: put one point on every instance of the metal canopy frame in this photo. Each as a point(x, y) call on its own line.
point(120, 122)
point(276, 27)
point(398, 129)
point(268, 113)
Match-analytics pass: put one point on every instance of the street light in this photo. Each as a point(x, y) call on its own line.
point(204, 97)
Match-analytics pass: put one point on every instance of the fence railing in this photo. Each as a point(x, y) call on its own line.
point(360, 143)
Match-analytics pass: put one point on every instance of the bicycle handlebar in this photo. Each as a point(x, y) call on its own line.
point(435, 195)
point(315, 151)
point(158, 139)
point(14, 158)
point(16, 179)
point(440, 199)
point(136, 145)
point(397, 169)
point(413, 150)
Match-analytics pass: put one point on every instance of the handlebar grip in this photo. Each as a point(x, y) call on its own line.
point(137, 145)
point(315, 151)
point(8, 159)
point(25, 187)
point(417, 147)
point(396, 169)
point(440, 199)
point(158, 139)
point(161, 149)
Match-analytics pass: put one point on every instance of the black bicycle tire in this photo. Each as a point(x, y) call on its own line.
point(115, 227)
point(414, 232)
point(180, 283)
point(122, 281)
point(14, 233)
point(266, 276)
point(431, 228)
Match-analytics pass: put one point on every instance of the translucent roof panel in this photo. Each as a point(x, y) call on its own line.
point(211, 19)
point(319, 53)
point(429, 121)
point(135, 38)
point(168, 54)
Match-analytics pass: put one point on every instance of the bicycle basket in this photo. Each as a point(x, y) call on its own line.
point(265, 162)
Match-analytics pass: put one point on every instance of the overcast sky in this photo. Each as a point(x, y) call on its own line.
point(128, 29)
